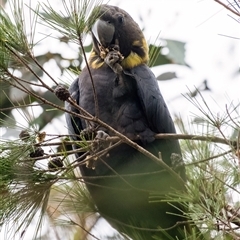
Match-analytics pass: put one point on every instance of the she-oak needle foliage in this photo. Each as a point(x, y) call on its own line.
point(38, 176)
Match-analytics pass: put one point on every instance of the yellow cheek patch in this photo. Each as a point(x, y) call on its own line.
point(96, 64)
point(95, 61)
point(135, 59)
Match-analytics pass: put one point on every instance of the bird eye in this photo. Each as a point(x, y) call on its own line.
point(120, 19)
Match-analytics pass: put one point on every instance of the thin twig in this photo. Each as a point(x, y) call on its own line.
point(170, 136)
point(41, 68)
point(194, 137)
point(28, 82)
point(20, 106)
point(84, 229)
point(91, 77)
point(227, 7)
point(230, 117)
point(222, 181)
point(29, 68)
point(208, 159)
point(44, 101)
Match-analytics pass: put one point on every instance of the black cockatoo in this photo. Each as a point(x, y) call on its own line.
point(123, 180)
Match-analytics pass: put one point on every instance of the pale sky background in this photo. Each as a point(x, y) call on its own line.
point(215, 58)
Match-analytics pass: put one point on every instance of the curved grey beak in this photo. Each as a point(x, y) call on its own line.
point(104, 32)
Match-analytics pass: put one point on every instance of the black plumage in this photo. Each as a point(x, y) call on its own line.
point(124, 179)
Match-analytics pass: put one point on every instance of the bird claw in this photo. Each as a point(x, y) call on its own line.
point(99, 143)
point(112, 59)
point(98, 138)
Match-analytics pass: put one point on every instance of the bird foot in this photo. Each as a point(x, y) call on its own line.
point(99, 143)
point(112, 59)
point(99, 138)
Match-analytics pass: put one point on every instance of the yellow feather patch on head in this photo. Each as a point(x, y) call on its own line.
point(134, 59)
point(95, 61)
